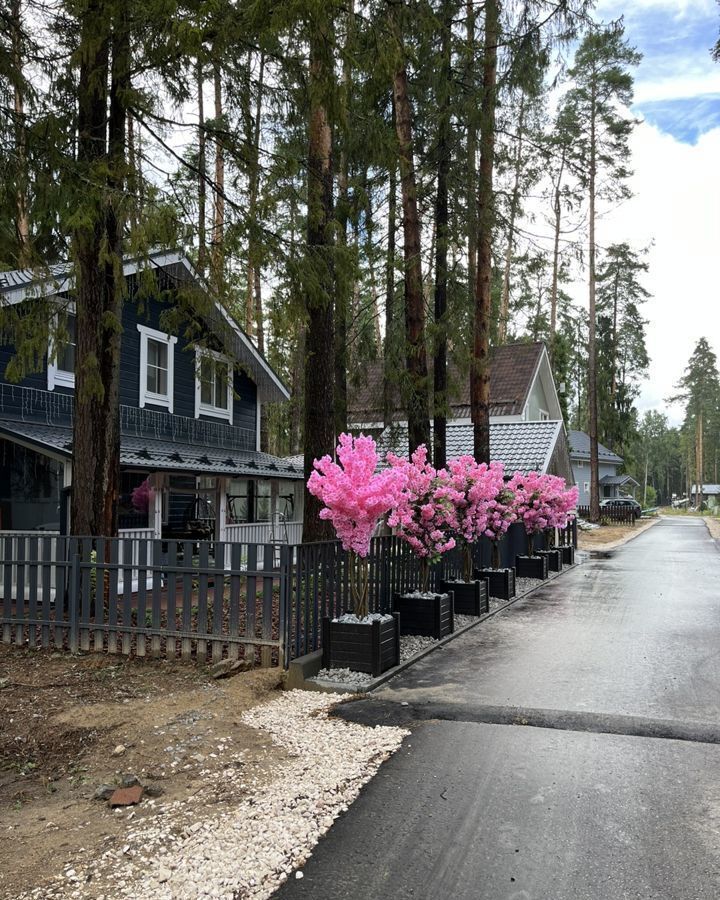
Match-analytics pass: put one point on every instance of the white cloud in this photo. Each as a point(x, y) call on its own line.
point(676, 205)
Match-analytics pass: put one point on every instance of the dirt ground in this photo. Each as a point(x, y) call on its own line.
point(73, 723)
point(713, 525)
point(605, 534)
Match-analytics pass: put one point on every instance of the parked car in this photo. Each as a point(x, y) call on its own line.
point(622, 503)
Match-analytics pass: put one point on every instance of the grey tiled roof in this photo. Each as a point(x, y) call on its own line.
point(164, 456)
point(618, 479)
point(580, 448)
point(523, 446)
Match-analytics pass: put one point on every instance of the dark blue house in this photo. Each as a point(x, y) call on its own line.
point(191, 397)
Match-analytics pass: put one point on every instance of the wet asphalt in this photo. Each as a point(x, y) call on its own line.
point(568, 748)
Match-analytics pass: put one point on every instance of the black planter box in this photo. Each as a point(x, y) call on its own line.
point(500, 582)
point(429, 616)
point(554, 558)
point(531, 567)
point(471, 597)
point(370, 648)
point(568, 554)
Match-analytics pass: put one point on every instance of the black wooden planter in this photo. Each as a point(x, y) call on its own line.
point(554, 558)
point(430, 616)
point(471, 597)
point(370, 648)
point(531, 567)
point(568, 554)
point(500, 582)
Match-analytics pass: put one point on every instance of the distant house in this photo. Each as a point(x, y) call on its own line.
point(612, 484)
point(710, 494)
point(189, 417)
point(522, 389)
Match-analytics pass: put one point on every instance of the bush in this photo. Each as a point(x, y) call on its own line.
point(651, 497)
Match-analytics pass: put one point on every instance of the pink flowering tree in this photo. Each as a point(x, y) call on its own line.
point(423, 516)
point(356, 496)
point(473, 489)
point(140, 497)
point(563, 503)
point(532, 504)
point(500, 515)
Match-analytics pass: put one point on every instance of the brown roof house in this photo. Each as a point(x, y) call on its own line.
point(526, 425)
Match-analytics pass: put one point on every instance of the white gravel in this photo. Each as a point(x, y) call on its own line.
point(252, 849)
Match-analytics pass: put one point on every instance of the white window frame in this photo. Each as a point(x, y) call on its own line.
point(580, 463)
point(59, 377)
point(544, 415)
point(205, 409)
point(586, 487)
point(147, 396)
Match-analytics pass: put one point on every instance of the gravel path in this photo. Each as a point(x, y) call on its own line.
point(249, 851)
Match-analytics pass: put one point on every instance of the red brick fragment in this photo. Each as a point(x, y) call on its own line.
point(127, 796)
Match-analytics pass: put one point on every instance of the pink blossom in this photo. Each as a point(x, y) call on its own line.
point(355, 495)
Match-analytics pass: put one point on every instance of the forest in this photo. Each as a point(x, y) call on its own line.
point(412, 182)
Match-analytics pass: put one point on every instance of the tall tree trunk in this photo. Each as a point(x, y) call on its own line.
point(480, 369)
point(699, 463)
point(217, 262)
point(417, 393)
point(514, 203)
point(390, 350)
point(557, 209)
point(344, 283)
point(440, 399)
point(319, 337)
point(98, 251)
point(592, 348)
point(253, 296)
point(202, 172)
point(23, 222)
point(472, 129)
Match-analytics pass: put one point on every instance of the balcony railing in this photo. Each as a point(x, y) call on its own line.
point(55, 408)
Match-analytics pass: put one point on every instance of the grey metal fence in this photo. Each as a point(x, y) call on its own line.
point(176, 599)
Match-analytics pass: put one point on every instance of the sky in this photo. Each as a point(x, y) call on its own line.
point(676, 182)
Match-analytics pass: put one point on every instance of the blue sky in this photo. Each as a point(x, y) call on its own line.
point(677, 84)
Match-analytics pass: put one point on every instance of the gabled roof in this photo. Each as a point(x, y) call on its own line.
point(618, 480)
point(520, 446)
point(580, 449)
point(25, 284)
point(512, 372)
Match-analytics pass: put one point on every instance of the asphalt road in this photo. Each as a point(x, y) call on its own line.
point(567, 749)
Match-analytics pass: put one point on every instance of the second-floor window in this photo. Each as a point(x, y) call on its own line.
point(157, 351)
point(213, 385)
point(61, 356)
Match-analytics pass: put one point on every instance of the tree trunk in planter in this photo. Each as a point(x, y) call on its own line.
point(471, 597)
point(372, 648)
point(428, 615)
point(567, 551)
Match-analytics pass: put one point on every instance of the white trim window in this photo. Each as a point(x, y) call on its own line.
point(586, 487)
point(580, 464)
point(157, 367)
point(213, 385)
point(544, 415)
point(61, 351)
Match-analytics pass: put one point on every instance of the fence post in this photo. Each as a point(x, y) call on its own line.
point(283, 607)
point(74, 604)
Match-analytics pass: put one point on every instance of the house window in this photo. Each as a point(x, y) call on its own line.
point(157, 352)
point(213, 385)
point(586, 486)
point(61, 353)
point(544, 415)
point(580, 464)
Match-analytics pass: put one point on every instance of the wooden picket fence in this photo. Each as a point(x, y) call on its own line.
point(621, 515)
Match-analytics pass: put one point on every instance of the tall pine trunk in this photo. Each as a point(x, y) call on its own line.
point(319, 337)
point(98, 253)
point(480, 368)
point(440, 399)
point(390, 349)
point(416, 393)
point(202, 172)
point(557, 210)
point(472, 128)
point(699, 462)
point(22, 218)
point(514, 204)
point(592, 346)
point(253, 295)
point(217, 260)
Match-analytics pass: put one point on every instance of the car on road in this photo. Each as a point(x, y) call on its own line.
point(622, 503)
